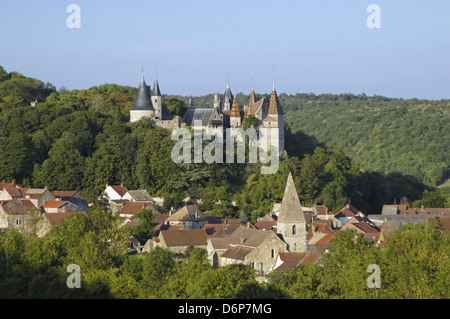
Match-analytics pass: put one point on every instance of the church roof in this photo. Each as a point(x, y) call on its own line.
point(274, 104)
point(290, 210)
point(142, 101)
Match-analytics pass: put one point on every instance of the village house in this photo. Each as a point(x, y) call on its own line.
point(131, 209)
point(140, 195)
point(188, 217)
point(246, 245)
point(74, 197)
point(50, 220)
point(58, 206)
point(345, 214)
point(177, 241)
point(17, 214)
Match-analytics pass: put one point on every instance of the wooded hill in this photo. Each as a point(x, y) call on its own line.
point(83, 139)
point(379, 134)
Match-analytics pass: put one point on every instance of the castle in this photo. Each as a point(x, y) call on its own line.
point(225, 113)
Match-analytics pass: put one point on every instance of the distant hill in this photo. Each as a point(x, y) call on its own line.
point(380, 134)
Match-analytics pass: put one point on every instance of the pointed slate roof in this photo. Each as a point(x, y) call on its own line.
point(290, 210)
point(142, 101)
point(165, 113)
point(227, 97)
point(274, 104)
point(156, 91)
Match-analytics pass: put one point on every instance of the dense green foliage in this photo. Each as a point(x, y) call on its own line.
point(82, 139)
point(414, 263)
point(380, 134)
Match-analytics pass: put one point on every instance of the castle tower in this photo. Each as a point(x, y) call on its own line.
point(276, 123)
point(157, 99)
point(235, 116)
point(291, 223)
point(227, 99)
point(142, 104)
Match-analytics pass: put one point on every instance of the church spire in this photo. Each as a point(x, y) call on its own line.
point(290, 210)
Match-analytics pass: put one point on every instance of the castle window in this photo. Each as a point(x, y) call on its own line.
point(294, 230)
point(272, 253)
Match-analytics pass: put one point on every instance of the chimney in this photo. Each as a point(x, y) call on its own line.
point(241, 239)
point(170, 211)
point(225, 220)
point(13, 182)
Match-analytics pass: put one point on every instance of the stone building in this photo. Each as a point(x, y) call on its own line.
point(291, 223)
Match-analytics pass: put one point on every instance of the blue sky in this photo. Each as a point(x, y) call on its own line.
point(195, 45)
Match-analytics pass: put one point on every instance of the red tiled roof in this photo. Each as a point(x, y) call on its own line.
point(132, 208)
point(310, 259)
point(290, 260)
point(325, 240)
point(57, 218)
point(444, 221)
point(119, 189)
point(54, 203)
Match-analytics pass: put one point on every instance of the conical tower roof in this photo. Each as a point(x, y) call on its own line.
point(227, 96)
point(235, 109)
point(142, 101)
point(274, 104)
point(156, 91)
point(290, 210)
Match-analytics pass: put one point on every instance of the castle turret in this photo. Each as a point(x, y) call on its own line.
point(227, 99)
point(235, 116)
point(142, 104)
point(157, 99)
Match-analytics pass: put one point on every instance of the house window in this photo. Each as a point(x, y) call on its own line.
point(272, 253)
point(294, 230)
point(18, 221)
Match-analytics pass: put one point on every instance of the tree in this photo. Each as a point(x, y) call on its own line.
point(144, 230)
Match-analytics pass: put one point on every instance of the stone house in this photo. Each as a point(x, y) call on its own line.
point(140, 195)
point(131, 209)
point(58, 206)
point(38, 196)
point(17, 214)
point(189, 217)
point(74, 197)
point(249, 246)
point(345, 214)
point(177, 241)
point(50, 220)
